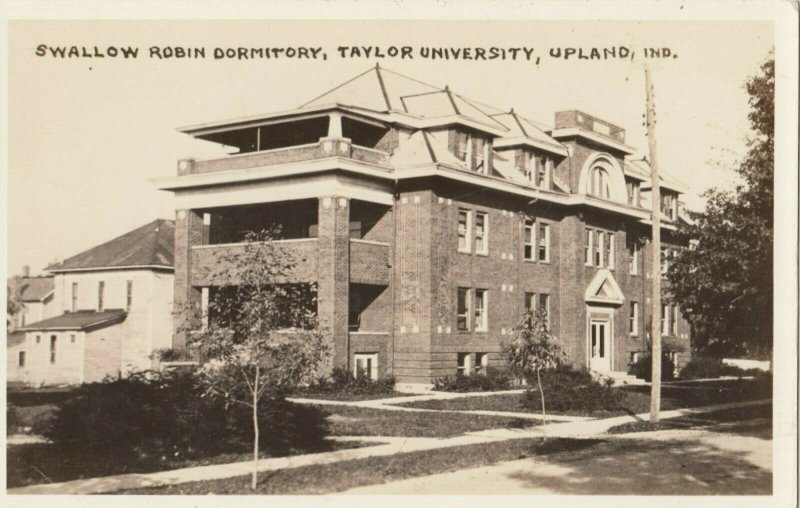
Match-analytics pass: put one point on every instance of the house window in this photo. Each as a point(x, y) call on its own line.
point(548, 173)
point(599, 183)
point(74, 306)
point(664, 261)
point(481, 233)
point(529, 240)
point(464, 220)
point(53, 349)
point(674, 323)
point(668, 205)
point(633, 257)
point(38, 339)
point(462, 315)
point(480, 148)
point(525, 168)
point(530, 301)
point(72, 338)
point(128, 295)
point(481, 363)
point(21, 359)
point(610, 248)
point(599, 248)
point(463, 148)
point(464, 364)
point(481, 321)
point(633, 187)
point(101, 288)
point(633, 324)
point(664, 319)
point(22, 319)
point(366, 365)
point(588, 248)
point(544, 242)
point(543, 303)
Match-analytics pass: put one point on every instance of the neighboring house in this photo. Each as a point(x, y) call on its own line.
point(36, 295)
point(428, 222)
point(114, 305)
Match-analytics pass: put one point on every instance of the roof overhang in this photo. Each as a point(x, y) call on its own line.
point(534, 143)
point(110, 268)
point(595, 138)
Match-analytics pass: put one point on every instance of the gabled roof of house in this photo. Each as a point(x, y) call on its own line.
point(151, 245)
point(36, 289)
point(80, 320)
point(15, 338)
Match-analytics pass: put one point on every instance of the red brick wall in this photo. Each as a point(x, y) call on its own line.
point(188, 232)
point(333, 272)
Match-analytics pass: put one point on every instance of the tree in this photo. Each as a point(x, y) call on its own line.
point(259, 332)
point(533, 349)
point(14, 303)
point(724, 281)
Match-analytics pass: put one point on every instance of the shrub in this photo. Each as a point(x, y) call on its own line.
point(492, 380)
point(569, 389)
point(702, 368)
point(160, 413)
point(343, 382)
point(643, 368)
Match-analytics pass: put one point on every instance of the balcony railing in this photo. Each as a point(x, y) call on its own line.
point(326, 147)
point(208, 271)
point(370, 262)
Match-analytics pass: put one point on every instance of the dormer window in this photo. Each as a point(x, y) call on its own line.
point(600, 183)
point(668, 205)
point(537, 169)
point(463, 146)
point(634, 193)
point(480, 155)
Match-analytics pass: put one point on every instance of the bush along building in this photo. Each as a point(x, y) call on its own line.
point(113, 311)
point(427, 223)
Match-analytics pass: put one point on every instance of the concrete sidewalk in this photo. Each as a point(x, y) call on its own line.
point(391, 446)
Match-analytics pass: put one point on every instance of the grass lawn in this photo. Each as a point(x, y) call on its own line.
point(32, 464)
point(637, 399)
point(347, 396)
point(345, 475)
point(357, 421)
point(755, 421)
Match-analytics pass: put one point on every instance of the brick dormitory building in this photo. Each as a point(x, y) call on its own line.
point(428, 222)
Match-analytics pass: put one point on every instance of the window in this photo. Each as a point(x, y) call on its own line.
point(544, 242)
point(464, 364)
point(633, 324)
point(74, 306)
point(588, 247)
point(528, 239)
point(674, 323)
point(53, 349)
point(355, 309)
point(543, 303)
point(633, 193)
point(481, 363)
point(668, 203)
point(530, 301)
point(464, 220)
point(599, 248)
point(481, 321)
point(72, 338)
point(599, 183)
point(664, 319)
point(633, 257)
point(541, 171)
point(525, 166)
point(366, 365)
point(21, 359)
point(463, 147)
point(38, 339)
point(128, 295)
point(462, 314)
point(610, 248)
point(480, 151)
point(665, 255)
point(101, 287)
point(481, 233)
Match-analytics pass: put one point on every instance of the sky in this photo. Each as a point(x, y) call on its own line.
point(87, 135)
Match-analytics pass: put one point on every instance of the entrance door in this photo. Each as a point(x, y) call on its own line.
point(600, 345)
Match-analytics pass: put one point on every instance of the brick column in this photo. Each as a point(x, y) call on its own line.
point(572, 285)
point(189, 231)
point(334, 273)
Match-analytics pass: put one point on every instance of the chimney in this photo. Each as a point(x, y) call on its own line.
point(26, 271)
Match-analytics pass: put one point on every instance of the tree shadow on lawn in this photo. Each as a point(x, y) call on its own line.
point(689, 467)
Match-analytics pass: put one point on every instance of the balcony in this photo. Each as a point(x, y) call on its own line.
point(208, 269)
point(370, 262)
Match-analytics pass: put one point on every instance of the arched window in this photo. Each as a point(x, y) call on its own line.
point(599, 183)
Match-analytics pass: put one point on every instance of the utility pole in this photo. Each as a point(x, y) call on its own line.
point(655, 320)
